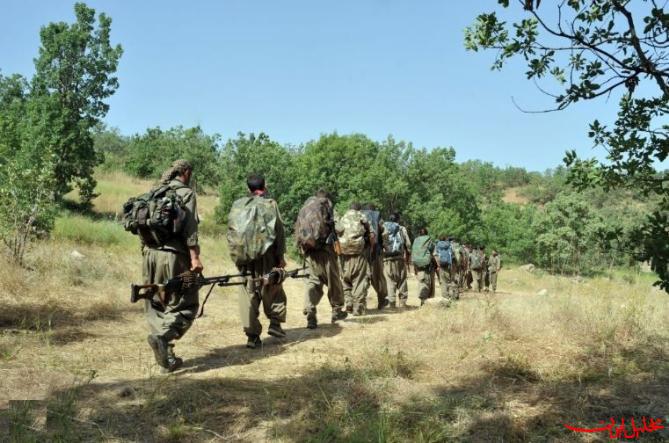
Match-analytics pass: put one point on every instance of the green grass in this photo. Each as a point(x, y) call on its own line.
point(80, 229)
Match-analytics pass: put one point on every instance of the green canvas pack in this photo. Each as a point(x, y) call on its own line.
point(421, 251)
point(156, 217)
point(352, 240)
point(251, 229)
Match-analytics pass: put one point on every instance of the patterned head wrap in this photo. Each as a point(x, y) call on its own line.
point(178, 168)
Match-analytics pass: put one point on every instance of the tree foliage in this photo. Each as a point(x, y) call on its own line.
point(595, 48)
point(149, 154)
point(74, 74)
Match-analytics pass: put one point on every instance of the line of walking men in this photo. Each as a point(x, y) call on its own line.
point(347, 254)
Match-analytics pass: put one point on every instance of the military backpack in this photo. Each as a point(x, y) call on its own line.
point(353, 239)
point(314, 224)
point(157, 216)
point(374, 218)
point(393, 241)
point(421, 251)
point(251, 229)
point(476, 260)
point(444, 252)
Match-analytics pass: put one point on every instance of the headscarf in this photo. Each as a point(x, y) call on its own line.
point(178, 168)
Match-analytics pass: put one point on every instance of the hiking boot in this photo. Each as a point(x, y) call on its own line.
point(383, 303)
point(312, 322)
point(339, 315)
point(160, 347)
point(275, 330)
point(173, 363)
point(253, 342)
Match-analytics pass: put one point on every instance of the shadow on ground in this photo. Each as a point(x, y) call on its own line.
point(239, 355)
point(346, 403)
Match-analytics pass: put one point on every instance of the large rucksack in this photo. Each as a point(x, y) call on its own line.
point(393, 241)
point(352, 240)
point(314, 224)
point(251, 229)
point(476, 260)
point(444, 252)
point(374, 218)
point(421, 251)
point(157, 216)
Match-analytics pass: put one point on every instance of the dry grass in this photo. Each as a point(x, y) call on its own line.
point(512, 195)
point(513, 366)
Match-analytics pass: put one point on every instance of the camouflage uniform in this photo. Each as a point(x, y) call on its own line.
point(375, 272)
point(494, 265)
point(477, 274)
point(323, 268)
point(162, 263)
point(272, 297)
point(395, 269)
point(426, 277)
point(354, 266)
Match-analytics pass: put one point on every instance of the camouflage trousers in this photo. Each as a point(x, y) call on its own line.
point(171, 321)
point(377, 278)
point(251, 296)
point(425, 283)
point(323, 270)
point(355, 282)
point(447, 283)
point(478, 277)
point(493, 281)
point(395, 270)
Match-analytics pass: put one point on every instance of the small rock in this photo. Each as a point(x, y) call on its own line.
point(528, 267)
point(77, 255)
point(543, 292)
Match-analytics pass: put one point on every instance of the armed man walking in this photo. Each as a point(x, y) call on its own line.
point(422, 252)
point(443, 254)
point(257, 245)
point(477, 265)
point(396, 255)
point(376, 275)
point(167, 257)
point(494, 265)
point(315, 236)
point(354, 237)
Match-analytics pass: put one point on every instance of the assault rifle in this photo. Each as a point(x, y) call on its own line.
point(174, 285)
point(190, 279)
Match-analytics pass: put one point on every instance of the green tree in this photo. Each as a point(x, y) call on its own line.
point(149, 154)
point(248, 154)
point(26, 168)
point(595, 48)
point(73, 77)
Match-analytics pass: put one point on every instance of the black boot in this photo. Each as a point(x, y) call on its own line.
point(159, 346)
point(338, 315)
point(253, 341)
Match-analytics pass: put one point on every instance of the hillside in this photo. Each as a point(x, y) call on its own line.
point(514, 366)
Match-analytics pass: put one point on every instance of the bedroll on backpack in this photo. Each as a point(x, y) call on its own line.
point(156, 217)
point(444, 253)
point(251, 229)
point(314, 224)
point(421, 255)
point(352, 241)
point(393, 243)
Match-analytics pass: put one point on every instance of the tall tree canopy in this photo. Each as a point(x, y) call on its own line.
point(592, 49)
